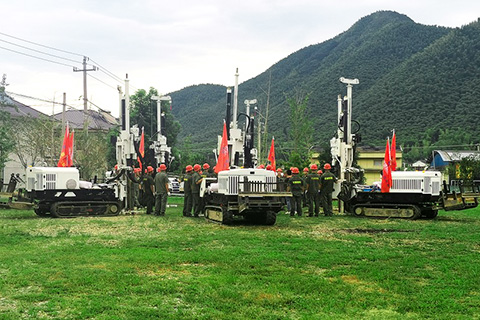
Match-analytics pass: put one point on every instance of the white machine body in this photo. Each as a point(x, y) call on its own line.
point(52, 178)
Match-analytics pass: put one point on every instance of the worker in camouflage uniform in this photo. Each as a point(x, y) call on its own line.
point(327, 181)
point(161, 190)
point(313, 184)
point(207, 172)
point(296, 187)
point(136, 187)
point(148, 189)
point(187, 191)
point(304, 195)
point(196, 181)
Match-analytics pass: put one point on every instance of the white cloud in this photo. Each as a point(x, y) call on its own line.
point(170, 45)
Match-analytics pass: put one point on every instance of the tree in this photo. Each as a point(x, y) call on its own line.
point(144, 113)
point(6, 143)
point(90, 155)
point(36, 140)
point(300, 131)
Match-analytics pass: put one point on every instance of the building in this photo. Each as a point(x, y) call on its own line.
point(97, 121)
point(441, 159)
point(16, 110)
point(370, 159)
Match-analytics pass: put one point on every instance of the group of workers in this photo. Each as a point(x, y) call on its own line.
point(191, 189)
point(313, 188)
point(154, 190)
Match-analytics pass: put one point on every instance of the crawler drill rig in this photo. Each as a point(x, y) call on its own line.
point(58, 191)
point(412, 195)
point(242, 192)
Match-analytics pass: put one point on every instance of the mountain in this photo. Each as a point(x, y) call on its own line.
point(420, 80)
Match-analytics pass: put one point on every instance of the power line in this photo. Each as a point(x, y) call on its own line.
point(38, 51)
point(107, 72)
point(38, 99)
point(101, 69)
point(41, 45)
point(32, 56)
point(54, 102)
point(101, 81)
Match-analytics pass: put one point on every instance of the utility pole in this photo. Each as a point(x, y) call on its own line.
point(85, 100)
point(64, 106)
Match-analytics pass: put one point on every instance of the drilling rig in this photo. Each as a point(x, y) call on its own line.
point(244, 192)
point(412, 194)
point(59, 192)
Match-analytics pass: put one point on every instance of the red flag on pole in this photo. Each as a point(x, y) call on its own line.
point(387, 170)
point(223, 159)
point(63, 161)
point(141, 148)
point(393, 153)
point(70, 149)
point(271, 155)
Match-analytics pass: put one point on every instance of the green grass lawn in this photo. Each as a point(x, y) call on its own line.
point(146, 267)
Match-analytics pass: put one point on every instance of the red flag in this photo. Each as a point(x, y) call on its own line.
point(141, 148)
point(387, 170)
point(393, 153)
point(271, 155)
point(223, 159)
point(70, 149)
point(63, 161)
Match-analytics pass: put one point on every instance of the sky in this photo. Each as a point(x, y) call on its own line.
point(170, 45)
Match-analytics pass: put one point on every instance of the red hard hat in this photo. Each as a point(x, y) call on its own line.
point(319, 172)
point(197, 167)
point(188, 168)
point(305, 169)
point(261, 166)
point(279, 170)
point(136, 170)
point(162, 167)
point(313, 167)
point(206, 166)
point(327, 166)
point(295, 170)
point(149, 169)
point(269, 167)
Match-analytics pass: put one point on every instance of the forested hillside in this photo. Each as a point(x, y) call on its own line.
point(420, 80)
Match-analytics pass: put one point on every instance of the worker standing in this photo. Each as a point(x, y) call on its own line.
point(296, 187)
point(304, 195)
point(313, 183)
point(206, 173)
point(327, 180)
point(161, 190)
point(196, 180)
point(187, 191)
point(136, 187)
point(148, 189)
point(319, 172)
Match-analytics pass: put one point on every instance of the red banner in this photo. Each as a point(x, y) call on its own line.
point(387, 171)
point(271, 155)
point(66, 156)
point(70, 149)
point(393, 153)
point(223, 159)
point(141, 148)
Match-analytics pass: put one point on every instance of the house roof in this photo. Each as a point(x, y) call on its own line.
point(419, 164)
point(96, 120)
point(454, 156)
point(17, 109)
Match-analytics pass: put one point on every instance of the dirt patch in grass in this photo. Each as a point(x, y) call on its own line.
point(373, 231)
point(361, 285)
